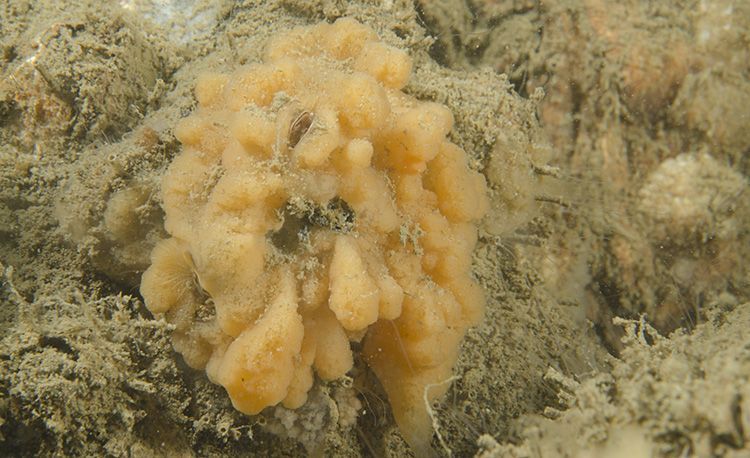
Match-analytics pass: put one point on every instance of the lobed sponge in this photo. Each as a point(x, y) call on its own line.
point(314, 204)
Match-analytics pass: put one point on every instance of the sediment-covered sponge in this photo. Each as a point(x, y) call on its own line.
point(315, 204)
point(693, 197)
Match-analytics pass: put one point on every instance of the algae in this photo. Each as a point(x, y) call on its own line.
point(592, 95)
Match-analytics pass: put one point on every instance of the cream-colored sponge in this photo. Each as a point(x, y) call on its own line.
point(314, 204)
point(258, 367)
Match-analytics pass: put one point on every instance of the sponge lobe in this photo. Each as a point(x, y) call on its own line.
point(315, 204)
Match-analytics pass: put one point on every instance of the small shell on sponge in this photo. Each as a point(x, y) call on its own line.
point(315, 204)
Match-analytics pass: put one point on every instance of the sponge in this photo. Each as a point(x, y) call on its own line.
point(315, 204)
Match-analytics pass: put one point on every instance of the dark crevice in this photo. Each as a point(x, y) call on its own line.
point(301, 217)
point(60, 344)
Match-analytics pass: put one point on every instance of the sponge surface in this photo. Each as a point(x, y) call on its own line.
point(315, 204)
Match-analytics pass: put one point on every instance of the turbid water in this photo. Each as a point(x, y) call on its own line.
point(613, 139)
